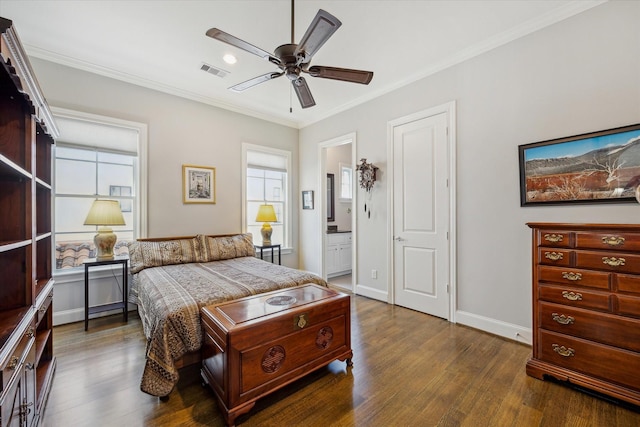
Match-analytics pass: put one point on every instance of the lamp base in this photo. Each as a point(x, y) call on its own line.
point(105, 240)
point(266, 231)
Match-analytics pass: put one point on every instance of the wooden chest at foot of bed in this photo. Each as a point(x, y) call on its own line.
point(258, 344)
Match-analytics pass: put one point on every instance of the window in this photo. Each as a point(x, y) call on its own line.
point(266, 180)
point(346, 182)
point(94, 160)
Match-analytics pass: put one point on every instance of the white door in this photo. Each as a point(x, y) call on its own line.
point(421, 214)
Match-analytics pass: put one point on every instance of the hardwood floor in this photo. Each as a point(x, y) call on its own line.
point(409, 369)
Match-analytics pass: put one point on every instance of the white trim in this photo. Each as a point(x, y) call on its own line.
point(450, 110)
point(321, 218)
point(100, 70)
point(275, 151)
point(373, 293)
point(496, 327)
point(559, 14)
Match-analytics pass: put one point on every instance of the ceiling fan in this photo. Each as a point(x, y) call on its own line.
point(293, 59)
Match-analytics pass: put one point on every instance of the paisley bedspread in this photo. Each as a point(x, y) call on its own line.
point(169, 299)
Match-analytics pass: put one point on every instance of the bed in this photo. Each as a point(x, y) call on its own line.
point(172, 278)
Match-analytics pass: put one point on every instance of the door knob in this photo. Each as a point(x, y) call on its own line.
point(399, 239)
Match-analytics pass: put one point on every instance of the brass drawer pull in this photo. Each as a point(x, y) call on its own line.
point(572, 296)
point(563, 351)
point(571, 276)
point(553, 238)
point(30, 333)
point(613, 240)
point(13, 364)
point(553, 256)
point(562, 319)
point(613, 261)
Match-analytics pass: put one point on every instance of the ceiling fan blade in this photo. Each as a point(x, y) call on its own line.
point(321, 28)
point(303, 92)
point(343, 74)
point(220, 35)
point(255, 81)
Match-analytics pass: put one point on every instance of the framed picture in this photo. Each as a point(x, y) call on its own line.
point(198, 184)
point(119, 191)
point(597, 167)
point(307, 199)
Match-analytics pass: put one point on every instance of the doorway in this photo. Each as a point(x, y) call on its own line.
point(422, 212)
point(336, 207)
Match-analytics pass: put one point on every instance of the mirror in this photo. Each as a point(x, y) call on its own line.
point(330, 197)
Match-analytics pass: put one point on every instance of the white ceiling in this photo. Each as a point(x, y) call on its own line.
point(162, 44)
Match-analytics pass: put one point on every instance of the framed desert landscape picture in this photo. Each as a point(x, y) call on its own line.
point(597, 167)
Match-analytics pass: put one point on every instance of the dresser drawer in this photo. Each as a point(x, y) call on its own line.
point(614, 241)
point(598, 360)
point(604, 328)
point(13, 364)
point(561, 257)
point(611, 261)
point(575, 277)
point(628, 305)
point(555, 239)
point(575, 297)
point(629, 284)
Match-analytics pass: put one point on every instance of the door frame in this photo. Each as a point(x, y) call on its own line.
point(448, 108)
point(322, 205)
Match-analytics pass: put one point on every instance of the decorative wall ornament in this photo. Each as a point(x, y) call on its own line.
point(367, 174)
point(367, 178)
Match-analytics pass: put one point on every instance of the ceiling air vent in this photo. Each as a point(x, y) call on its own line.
point(213, 70)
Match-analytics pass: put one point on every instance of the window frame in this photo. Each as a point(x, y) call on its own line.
point(287, 226)
point(342, 166)
point(140, 175)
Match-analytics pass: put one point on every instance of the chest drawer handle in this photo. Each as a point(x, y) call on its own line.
point(563, 351)
point(613, 240)
point(553, 256)
point(613, 261)
point(572, 296)
point(571, 276)
point(553, 238)
point(562, 319)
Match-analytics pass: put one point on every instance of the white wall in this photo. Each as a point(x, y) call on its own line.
point(180, 132)
point(577, 76)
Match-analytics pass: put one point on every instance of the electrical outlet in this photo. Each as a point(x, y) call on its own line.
point(374, 274)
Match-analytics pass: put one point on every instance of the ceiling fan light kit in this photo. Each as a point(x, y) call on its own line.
point(293, 59)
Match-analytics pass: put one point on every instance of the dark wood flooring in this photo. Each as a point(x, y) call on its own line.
point(410, 369)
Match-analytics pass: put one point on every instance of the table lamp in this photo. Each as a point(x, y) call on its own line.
point(105, 213)
point(266, 214)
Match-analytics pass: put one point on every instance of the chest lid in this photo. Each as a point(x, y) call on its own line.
point(254, 307)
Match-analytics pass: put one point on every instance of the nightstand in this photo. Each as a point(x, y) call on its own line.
point(273, 249)
point(93, 262)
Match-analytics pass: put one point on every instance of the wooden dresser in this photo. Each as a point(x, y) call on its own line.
point(586, 306)
point(258, 344)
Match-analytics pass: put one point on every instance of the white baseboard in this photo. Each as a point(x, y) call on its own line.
point(77, 315)
point(496, 327)
point(372, 293)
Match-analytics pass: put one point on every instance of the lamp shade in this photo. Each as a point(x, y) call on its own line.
point(266, 213)
point(105, 212)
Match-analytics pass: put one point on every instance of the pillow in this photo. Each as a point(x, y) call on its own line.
point(153, 254)
point(227, 247)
